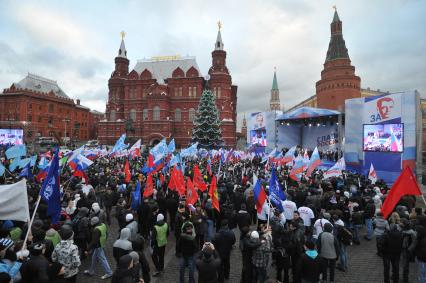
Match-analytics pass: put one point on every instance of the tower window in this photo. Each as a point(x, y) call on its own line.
point(178, 115)
point(219, 92)
point(156, 113)
point(145, 114)
point(191, 114)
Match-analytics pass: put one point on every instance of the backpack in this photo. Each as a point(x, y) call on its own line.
point(344, 235)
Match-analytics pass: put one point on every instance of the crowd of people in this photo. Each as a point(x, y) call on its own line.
point(304, 243)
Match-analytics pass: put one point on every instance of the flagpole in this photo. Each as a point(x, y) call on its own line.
point(269, 213)
point(31, 223)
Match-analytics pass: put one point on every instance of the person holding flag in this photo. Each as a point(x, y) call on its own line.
point(50, 190)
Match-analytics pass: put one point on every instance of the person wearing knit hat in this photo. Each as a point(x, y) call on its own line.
point(97, 245)
point(124, 272)
point(132, 224)
point(207, 263)
point(66, 253)
point(160, 234)
point(35, 269)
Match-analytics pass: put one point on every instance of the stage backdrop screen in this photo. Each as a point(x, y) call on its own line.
point(383, 137)
point(11, 136)
point(258, 137)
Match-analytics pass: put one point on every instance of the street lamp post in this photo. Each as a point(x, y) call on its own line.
point(65, 137)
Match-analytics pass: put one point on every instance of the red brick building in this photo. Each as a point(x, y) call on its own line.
point(159, 98)
point(42, 109)
point(338, 80)
point(94, 118)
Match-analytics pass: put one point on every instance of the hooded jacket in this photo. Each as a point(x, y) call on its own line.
point(123, 245)
point(223, 241)
point(310, 266)
point(66, 253)
point(187, 245)
point(382, 226)
point(207, 265)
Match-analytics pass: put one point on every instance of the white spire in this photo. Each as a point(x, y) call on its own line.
point(219, 43)
point(122, 51)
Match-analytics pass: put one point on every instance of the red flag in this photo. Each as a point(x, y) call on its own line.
point(191, 193)
point(198, 179)
point(128, 176)
point(172, 183)
point(179, 182)
point(80, 173)
point(213, 194)
point(149, 187)
point(150, 160)
point(405, 185)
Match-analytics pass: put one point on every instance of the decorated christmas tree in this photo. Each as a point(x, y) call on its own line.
point(206, 130)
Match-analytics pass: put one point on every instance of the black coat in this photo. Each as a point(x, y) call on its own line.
point(309, 269)
point(35, 270)
point(223, 242)
point(186, 245)
point(243, 219)
point(207, 268)
point(392, 243)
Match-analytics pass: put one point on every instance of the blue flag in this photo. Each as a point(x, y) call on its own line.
point(33, 160)
point(119, 144)
point(171, 147)
point(16, 151)
point(190, 151)
point(160, 150)
point(24, 162)
point(2, 169)
point(15, 164)
point(276, 194)
point(50, 190)
point(136, 197)
point(26, 172)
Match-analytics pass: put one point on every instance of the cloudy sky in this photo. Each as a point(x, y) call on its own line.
point(75, 42)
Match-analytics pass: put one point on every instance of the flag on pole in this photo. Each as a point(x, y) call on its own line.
point(13, 202)
point(405, 184)
point(171, 147)
point(159, 151)
point(127, 173)
point(259, 196)
point(314, 162)
point(119, 144)
point(276, 194)
point(198, 179)
point(15, 164)
point(297, 170)
point(149, 187)
point(289, 155)
point(50, 190)
point(372, 175)
point(306, 160)
point(16, 151)
point(213, 194)
point(135, 150)
point(336, 170)
point(33, 160)
point(2, 169)
point(26, 172)
point(191, 192)
point(190, 151)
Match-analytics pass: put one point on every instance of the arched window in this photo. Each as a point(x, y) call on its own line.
point(145, 114)
point(156, 113)
point(112, 115)
point(178, 115)
point(191, 114)
point(219, 92)
point(133, 114)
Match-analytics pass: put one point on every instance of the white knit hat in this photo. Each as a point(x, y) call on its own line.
point(254, 235)
point(129, 217)
point(160, 217)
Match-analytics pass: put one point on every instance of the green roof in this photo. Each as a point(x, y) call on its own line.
point(274, 82)
point(336, 17)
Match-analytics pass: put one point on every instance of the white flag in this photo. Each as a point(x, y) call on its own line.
point(372, 175)
point(14, 202)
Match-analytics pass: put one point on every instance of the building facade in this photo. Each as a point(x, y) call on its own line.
point(159, 98)
point(42, 109)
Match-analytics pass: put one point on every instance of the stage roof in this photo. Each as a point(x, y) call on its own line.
point(307, 113)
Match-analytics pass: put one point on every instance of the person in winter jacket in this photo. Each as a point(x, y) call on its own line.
point(133, 226)
point(243, 218)
point(186, 248)
point(122, 246)
point(160, 233)
point(248, 245)
point(199, 218)
point(207, 263)
point(97, 245)
point(382, 226)
point(66, 253)
point(35, 269)
point(310, 265)
point(81, 225)
point(391, 248)
point(328, 248)
point(223, 241)
point(10, 267)
point(98, 212)
point(420, 250)
point(56, 273)
point(124, 273)
point(260, 258)
point(408, 245)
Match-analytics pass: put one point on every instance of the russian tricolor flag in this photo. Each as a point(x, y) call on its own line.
point(314, 162)
point(259, 196)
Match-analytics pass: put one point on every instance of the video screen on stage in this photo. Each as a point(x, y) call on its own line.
point(11, 136)
point(258, 137)
point(384, 138)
